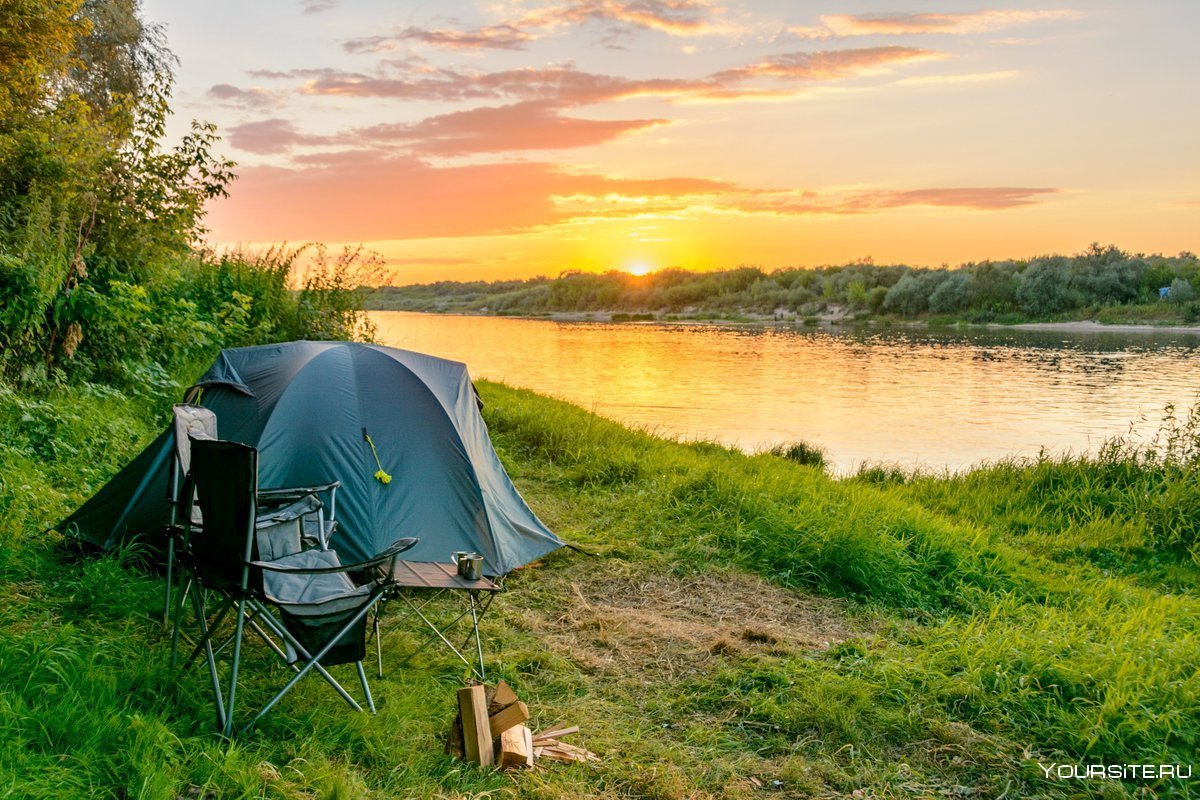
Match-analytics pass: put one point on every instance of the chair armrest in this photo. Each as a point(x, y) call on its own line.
point(307, 504)
point(296, 491)
point(397, 547)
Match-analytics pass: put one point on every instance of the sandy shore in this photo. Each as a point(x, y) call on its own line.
point(1090, 326)
point(823, 320)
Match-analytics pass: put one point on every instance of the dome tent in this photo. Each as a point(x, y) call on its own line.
point(309, 407)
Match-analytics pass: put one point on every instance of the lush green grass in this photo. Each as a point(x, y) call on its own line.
point(976, 625)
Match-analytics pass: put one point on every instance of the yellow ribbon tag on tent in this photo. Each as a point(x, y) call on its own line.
point(380, 475)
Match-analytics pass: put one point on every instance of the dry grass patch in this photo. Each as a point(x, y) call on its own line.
point(629, 621)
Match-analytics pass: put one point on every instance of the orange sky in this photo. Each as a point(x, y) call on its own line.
point(468, 140)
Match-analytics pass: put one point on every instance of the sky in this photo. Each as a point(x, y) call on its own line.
point(504, 139)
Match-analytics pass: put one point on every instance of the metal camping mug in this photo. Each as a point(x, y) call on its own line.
point(474, 567)
point(457, 557)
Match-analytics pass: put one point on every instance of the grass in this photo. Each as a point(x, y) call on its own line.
point(746, 619)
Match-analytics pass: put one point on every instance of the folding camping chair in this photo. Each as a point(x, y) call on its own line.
point(322, 610)
point(201, 423)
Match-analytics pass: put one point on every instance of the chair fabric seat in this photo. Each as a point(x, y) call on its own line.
point(315, 607)
point(312, 595)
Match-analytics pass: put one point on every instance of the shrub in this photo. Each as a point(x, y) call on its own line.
point(1182, 291)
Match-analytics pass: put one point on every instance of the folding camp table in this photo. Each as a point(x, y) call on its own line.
point(433, 580)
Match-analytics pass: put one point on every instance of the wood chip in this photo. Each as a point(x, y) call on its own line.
point(556, 732)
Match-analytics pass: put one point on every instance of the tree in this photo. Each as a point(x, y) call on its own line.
point(88, 195)
point(1044, 287)
point(907, 297)
point(36, 40)
point(953, 293)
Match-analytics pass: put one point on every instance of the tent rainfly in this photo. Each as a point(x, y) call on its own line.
point(309, 408)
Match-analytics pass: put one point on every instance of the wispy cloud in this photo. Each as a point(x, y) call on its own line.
point(408, 199)
point(317, 6)
point(529, 125)
point(951, 23)
point(618, 17)
point(496, 37)
point(789, 203)
point(824, 66)
point(253, 99)
point(674, 17)
point(567, 86)
point(273, 136)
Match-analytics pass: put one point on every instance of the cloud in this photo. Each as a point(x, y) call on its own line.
point(253, 99)
point(789, 203)
point(317, 6)
point(373, 199)
point(533, 116)
point(619, 17)
point(986, 198)
point(271, 136)
point(824, 66)
point(360, 196)
point(568, 87)
point(952, 23)
point(520, 126)
point(496, 37)
point(673, 17)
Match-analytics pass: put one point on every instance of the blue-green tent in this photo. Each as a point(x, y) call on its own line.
point(306, 406)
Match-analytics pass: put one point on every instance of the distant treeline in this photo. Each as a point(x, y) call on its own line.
point(103, 277)
point(1036, 288)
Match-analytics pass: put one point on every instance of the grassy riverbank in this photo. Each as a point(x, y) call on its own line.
point(746, 619)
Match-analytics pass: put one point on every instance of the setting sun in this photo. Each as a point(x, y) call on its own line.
point(638, 268)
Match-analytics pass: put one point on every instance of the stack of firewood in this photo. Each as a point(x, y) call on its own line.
point(490, 730)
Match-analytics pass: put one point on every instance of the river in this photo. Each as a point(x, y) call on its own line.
point(915, 397)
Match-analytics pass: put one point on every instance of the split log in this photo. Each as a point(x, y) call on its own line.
point(477, 736)
point(516, 748)
point(503, 696)
point(507, 717)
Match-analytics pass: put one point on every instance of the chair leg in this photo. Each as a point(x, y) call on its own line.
point(282, 632)
point(378, 642)
point(315, 661)
point(206, 629)
point(252, 621)
point(170, 569)
point(180, 599)
point(362, 677)
point(237, 657)
point(206, 644)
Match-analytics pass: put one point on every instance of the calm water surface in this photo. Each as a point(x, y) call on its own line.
point(938, 399)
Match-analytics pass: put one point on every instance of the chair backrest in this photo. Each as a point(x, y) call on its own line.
point(190, 422)
point(226, 479)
